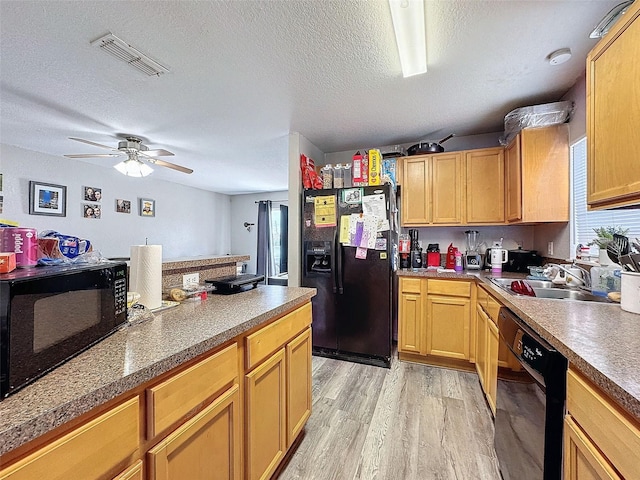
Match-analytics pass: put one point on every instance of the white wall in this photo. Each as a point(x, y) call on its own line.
point(513, 235)
point(245, 209)
point(468, 142)
point(188, 221)
point(298, 145)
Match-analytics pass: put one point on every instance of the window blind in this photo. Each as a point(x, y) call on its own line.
point(583, 221)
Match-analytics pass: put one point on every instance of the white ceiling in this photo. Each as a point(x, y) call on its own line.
point(243, 74)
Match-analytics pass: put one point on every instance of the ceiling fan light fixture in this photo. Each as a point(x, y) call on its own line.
point(133, 168)
point(130, 55)
point(409, 27)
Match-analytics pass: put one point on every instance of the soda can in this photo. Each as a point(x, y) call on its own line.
point(23, 242)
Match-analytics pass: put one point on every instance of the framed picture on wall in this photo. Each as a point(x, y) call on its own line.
point(147, 207)
point(123, 206)
point(92, 194)
point(91, 210)
point(47, 199)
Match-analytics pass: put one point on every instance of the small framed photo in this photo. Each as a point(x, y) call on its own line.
point(47, 199)
point(0, 182)
point(147, 207)
point(123, 206)
point(92, 194)
point(91, 210)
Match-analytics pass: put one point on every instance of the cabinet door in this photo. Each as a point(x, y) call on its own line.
point(298, 384)
point(582, 459)
point(448, 320)
point(266, 435)
point(493, 340)
point(512, 165)
point(485, 186)
point(411, 316)
point(447, 188)
point(613, 115)
point(416, 208)
point(207, 446)
point(481, 345)
point(134, 472)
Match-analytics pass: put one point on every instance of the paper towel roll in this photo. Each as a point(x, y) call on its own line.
point(145, 276)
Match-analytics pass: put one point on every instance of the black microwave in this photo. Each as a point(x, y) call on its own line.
point(49, 314)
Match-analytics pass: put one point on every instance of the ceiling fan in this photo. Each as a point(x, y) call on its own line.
point(135, 152)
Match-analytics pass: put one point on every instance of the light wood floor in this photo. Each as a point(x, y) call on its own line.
point(404, 423)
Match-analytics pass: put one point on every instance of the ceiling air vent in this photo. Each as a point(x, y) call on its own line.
point(125, 52)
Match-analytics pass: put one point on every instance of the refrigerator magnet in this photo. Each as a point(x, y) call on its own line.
point(381, 244)
point(361, 253)
point(352, 195)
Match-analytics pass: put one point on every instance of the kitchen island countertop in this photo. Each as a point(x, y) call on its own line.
point(599, 339)
point(136, 354)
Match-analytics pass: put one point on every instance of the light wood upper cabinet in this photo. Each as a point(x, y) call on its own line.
point(433, 190)
point(537, 175)
point(416, 183)
point(207, 446)
point(613, 115)
point(485, 197)
point(447, 188)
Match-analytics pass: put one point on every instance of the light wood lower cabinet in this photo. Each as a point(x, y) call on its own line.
point(230, 415)
point(482, 331)
point(411, 313)
point(206, 447)
point(582, 460)
point(266, 417)
point(448, 323)
point(602, 441)
point(434, 321)
point(90, 451)
point(493, 340)
point(298, 363)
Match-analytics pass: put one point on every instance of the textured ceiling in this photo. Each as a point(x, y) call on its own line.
point(243, 74)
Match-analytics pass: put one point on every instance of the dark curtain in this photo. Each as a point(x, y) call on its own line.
point(284, 238)
point(264, 239)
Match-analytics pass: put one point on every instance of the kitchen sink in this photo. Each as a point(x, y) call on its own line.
point(546, 289)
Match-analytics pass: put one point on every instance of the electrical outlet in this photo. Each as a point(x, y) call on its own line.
point(190, 280)
point(550, 248)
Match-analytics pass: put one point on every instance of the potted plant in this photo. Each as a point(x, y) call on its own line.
point(604, 236)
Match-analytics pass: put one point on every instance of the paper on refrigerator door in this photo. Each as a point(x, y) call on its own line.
point(345, 226)
point(325, 211)
point(375, 205)
point(370, 228)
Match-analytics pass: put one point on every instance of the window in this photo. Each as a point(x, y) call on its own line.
point(582, 221)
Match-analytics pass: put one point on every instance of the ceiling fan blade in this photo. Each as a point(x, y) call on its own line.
point(158, 153)
point(162, 163)
point(93, 155)
point(91, 143)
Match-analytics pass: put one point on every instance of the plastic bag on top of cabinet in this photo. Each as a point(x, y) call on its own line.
point(535, 116)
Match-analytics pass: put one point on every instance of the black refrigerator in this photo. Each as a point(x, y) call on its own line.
point(355, 305)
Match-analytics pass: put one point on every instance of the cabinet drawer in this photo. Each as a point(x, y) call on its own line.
point(614, 432)
point(169, 401)
point(454, 288)
point(267, 340)
point(134, 472)
point(89, 451)
point(410, 285)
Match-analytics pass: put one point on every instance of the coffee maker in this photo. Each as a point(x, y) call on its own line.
point(415, 251)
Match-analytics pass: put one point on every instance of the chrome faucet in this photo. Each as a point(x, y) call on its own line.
point(586, 275)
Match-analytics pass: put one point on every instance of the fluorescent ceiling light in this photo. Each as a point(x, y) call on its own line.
point(133, 168)
point(408, 24)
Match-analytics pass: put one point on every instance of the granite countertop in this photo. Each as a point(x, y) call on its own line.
point(599, 339)
point(136, 354)
point(190, 262)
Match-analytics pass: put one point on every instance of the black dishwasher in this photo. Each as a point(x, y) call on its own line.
point(530, 407)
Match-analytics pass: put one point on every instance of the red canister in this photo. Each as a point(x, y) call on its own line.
point(23, 242)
